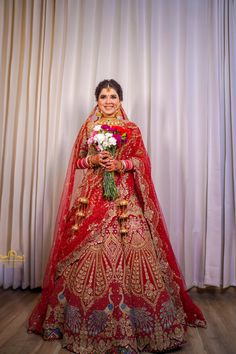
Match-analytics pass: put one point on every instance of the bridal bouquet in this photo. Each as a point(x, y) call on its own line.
point(108, 137)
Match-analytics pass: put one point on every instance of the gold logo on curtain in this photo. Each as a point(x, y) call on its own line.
point(12, 256)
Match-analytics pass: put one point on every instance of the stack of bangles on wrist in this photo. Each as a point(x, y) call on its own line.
point(82, 163)
point(86, 162)
point(126, 165)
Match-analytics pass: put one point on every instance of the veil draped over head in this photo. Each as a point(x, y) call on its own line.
point(63, 249)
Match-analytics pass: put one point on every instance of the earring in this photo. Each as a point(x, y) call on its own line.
point(98, 113)
point(118, 112)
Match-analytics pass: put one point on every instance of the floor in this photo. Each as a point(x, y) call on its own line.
point(218, 306)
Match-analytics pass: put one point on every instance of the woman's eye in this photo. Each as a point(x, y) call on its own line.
point(103, 96)
point(113, 96)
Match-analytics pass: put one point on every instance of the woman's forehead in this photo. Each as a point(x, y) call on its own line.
point(108, 90)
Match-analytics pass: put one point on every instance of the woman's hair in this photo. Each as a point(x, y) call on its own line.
point(109, 83)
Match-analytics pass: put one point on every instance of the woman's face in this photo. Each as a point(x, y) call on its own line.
point(108, 101)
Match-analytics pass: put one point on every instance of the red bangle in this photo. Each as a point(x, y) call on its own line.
point(82, 163)
point(128, 164)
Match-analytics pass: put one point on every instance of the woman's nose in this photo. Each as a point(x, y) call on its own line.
point(108, 100)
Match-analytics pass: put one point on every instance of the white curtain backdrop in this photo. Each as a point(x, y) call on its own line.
point(176, 61)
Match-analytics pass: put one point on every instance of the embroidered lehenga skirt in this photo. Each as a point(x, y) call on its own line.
point(116, 292)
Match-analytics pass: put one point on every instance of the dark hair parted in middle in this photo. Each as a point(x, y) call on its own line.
point(109, 83)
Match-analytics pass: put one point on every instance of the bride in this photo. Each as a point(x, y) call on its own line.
point(112, 284)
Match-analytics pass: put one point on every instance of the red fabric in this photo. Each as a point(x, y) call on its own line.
point(137, 181)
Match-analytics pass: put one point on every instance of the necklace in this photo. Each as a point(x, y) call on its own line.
point(110, 121)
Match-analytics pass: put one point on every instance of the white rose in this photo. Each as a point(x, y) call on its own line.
point(112, 141)
point(99, 138)
point(97, 128)
point(105, 144)
point(108, 135)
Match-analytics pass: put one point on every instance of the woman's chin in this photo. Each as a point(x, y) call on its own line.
point(109, 113)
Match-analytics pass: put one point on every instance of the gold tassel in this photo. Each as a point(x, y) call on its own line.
point(81, 212)
point(123, 216)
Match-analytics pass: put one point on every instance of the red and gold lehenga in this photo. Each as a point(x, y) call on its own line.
point(112, 284)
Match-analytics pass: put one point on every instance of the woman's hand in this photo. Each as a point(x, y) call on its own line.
point(106, 160)
point(113, 165)
point(101, 159)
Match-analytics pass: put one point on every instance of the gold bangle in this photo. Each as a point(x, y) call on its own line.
point(122, 169)
point(91, 164)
